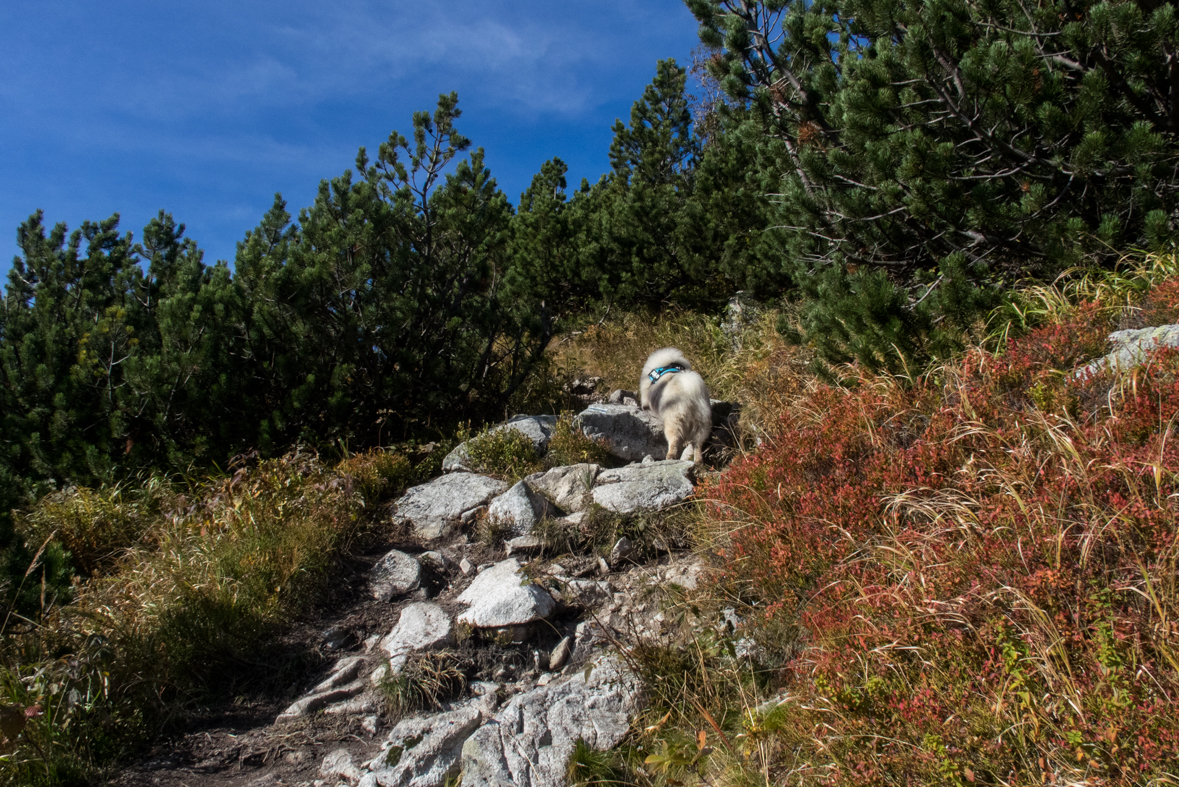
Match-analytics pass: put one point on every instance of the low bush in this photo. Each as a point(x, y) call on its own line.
point(980, 562)
point(504, 453)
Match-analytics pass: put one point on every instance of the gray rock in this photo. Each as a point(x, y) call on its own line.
point(583, 592)
point(624, 397)
point(561, 653)
point(537, 428)
point(623, 549)
point(422, 626)
point(344, 672)
point(568, 486)
point(434, 508)
point(424, 751)
point(524, 544)
point(1131, 348)
point(528, 743)
point(465, 566)
point(314, 702)
point(647, 487)
point(626, 431)
point(342, 684)
point(685, 574)
point(338, 765)
point(740, 314)
point(394, 575)
point(499, 597)
point(519, 508)
point(367, 702)
point(585, 389)
point(434, 559)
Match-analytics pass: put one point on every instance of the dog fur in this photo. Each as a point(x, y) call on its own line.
point(680, 399)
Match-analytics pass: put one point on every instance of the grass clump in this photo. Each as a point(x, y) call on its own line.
point(570, 446)
point(509, 454)
point(426, 681)
point(96, 526)
point(503, 452)
point(589, 767)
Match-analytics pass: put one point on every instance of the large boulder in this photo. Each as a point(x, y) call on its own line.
point(394, 575)
point(568, 487)
point(626, 432)
point(646, 487)
point(1130, 348)
point(501, 596)
point(424, 751)
point(537, 428)
point(528, 743)
point(741, 313)
point(520, 508)
point(435, 508)
point(422, 626)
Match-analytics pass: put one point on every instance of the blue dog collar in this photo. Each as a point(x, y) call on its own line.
point(662, 370)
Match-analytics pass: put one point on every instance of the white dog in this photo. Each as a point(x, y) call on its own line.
point(670, 389)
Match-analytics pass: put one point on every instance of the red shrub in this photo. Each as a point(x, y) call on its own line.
point(985, 570)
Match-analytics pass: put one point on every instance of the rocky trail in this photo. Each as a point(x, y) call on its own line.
point(509, 642)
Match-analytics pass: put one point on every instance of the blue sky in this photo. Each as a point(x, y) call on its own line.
point(206, 109)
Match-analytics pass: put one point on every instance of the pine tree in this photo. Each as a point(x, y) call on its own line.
point(186, 384)
point(385, 307)
point(945, 149)
point(627, 222)
point(72, 321)
point(543, 258)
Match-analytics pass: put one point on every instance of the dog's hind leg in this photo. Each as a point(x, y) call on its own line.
point(675, 444)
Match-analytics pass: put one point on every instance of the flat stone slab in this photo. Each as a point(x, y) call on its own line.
point(339, 765)
point(627, 432)
point(422, 626)
point(344, 672)
point(1131, 348)
point(501, 596)
point(343, 683)
point(537, 428)
point(568, 487)
point(394, 575)
point(528, 743)
point(435, 508)
point(524, 544)
point(520, 508)
point(645, 487)
point(314, 702)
